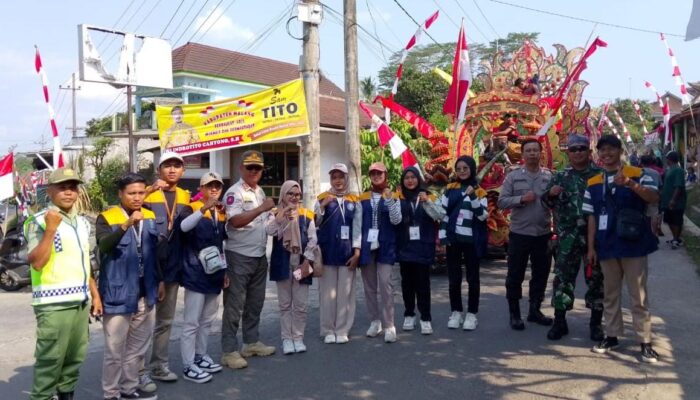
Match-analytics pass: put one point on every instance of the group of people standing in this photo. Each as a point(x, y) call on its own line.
point(157, 240)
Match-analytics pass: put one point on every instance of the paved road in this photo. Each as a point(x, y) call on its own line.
point(492, 362)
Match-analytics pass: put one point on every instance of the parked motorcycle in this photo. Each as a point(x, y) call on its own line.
point(15, 271)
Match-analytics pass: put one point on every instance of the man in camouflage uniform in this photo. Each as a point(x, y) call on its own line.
point(565, 197)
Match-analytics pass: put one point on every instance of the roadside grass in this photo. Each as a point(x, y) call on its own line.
point(692, 211)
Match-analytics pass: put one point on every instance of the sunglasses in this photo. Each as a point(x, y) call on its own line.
point(254, 168)
point(578, 149)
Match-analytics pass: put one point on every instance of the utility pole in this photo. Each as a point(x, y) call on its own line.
point(352, 96)
point(73, 88)
point(130, 131)
point(311, 144)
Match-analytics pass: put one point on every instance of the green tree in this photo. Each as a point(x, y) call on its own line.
point(372, 152)
point(625, 108)
point(368, 89)
point(96, 126)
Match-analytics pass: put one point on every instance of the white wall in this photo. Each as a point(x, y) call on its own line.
point(332, 151)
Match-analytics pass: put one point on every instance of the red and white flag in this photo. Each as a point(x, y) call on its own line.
point(603, 116)
point(386, 135)
point(685, 97)
point(409, 160)
point(57, 154)
point(456, 101)
point(567, 84)
point(665, 111)
point(414, 40)
point(7, 189)
point(625, 131)
point(638, 111)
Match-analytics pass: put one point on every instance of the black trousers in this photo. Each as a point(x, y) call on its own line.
point(520, 249)
point(457, 254)
point(415, 284)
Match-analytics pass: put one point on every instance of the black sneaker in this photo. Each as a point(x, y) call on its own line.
point(605, 345)
point(137, 394)
point(648, 353)
point(206, 364)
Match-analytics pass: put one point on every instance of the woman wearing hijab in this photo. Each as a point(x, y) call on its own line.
point(416, 247)
point(291, 263)
point(464, 232)
point(339, 220)
point(381, 211)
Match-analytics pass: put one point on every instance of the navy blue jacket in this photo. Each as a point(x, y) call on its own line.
point(279, 259)
point(336, 251)
point(418, 251)
point(119, 282)
point(607, 244)
point(386, 253)
point(169, 246)
point(203, 235)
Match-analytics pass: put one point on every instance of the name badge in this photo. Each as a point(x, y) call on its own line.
point(460, 217)
point(372, 235)
point(344, 232)
point(603, 222)
point(414, 233)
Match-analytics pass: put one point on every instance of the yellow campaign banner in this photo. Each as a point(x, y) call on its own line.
point(271, 114)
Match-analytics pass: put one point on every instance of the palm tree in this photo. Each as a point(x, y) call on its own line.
point(368, 88)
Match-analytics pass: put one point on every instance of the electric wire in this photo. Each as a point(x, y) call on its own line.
point(216, 20)
point(486, 18)
point(190, 24)
point(204, 21)
point(171, 19)
point(631, 28)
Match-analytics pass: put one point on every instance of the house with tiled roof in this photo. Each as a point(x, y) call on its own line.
point(204, 73)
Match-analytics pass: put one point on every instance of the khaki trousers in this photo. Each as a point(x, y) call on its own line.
point(165, 313)
point(379, 295)
point(634, 272)
point(337, 300)
point(127, 337)
point(293, 302)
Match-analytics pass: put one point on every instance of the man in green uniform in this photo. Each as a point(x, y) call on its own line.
point(565, 197)
point(62, 287)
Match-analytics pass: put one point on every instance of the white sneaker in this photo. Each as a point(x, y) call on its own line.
point(390, 335)
point(455, 320)
point(299, 346)
point(470, 322)
point(409, 323)
point(146, 384)
point(194, 374)
point(374, 328)
point(287, 346)
point(342, 339)
point(426, 328)
point(329, 339)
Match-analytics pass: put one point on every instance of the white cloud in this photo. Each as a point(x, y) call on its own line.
point(221, 27)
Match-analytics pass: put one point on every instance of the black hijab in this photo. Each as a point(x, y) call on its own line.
point(411, 194)
point(471, 181)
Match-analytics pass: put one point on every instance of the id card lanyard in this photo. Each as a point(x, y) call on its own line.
point(414, 229)
point(170, 213)
point(373, 232)
point(344, 229)
point(137, 234)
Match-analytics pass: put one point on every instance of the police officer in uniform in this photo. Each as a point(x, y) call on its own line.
point(565, 197)
point(62, 287)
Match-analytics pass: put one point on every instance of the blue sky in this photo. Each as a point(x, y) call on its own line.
point(52, 25)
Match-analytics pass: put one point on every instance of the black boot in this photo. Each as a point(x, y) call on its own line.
point(65, 396)
point(595, 325)
point(536, 316)
point(560, 327)
point(516, 321)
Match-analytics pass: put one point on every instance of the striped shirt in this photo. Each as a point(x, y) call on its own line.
point(470, 207)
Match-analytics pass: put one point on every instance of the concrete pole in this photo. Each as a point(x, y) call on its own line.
point(352, 95)
point(311, 145)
